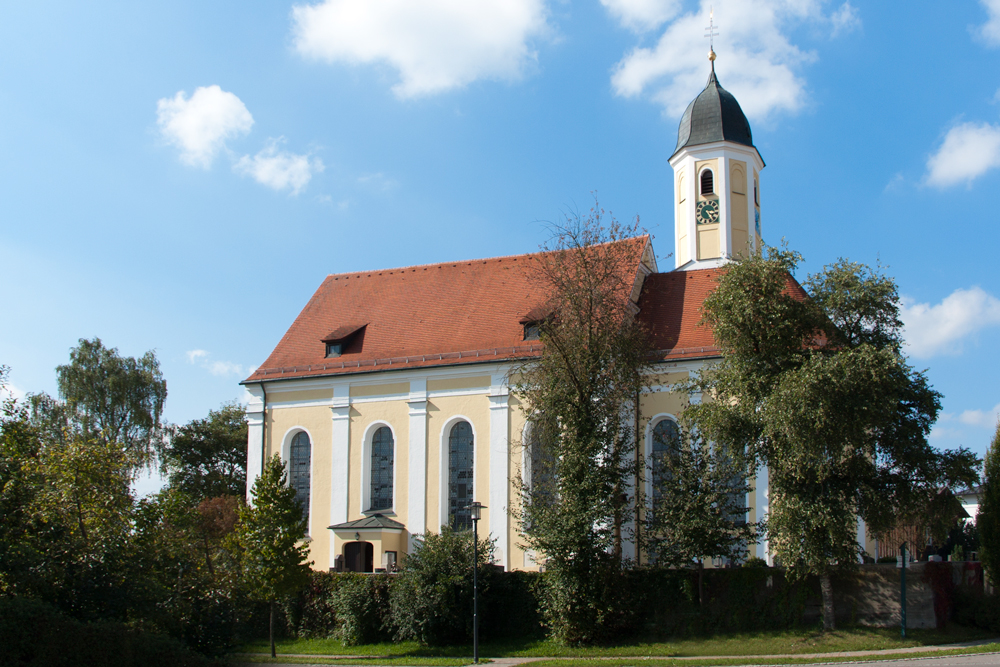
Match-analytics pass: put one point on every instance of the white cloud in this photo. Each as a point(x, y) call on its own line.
point(279, 170)
point(990, 31)
point(642, 15)
point(895, 183)
point(845, 19)
point(968, 151)
point(201, 124)
point(941, 328)
point(435, 45)
point(756, 61)
point(195, 355)
point(981, 418)
point(224, 368)
point(218, 368)
point(379, 181)
point(11, 391)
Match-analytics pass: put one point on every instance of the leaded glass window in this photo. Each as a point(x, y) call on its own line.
point(666, 444)
point(460, 470)
point(298, 468)
point(383, 453)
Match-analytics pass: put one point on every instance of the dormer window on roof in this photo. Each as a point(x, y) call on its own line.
point(338, 340)
point(533, 321)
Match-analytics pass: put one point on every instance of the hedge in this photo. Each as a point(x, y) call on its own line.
point(36, 635)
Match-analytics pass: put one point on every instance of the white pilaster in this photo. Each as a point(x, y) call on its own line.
point(416, 509)
point(499, 466)
point(862, 530)
point(255, 435)
point(762, 504)
point(340, 457)
point(725, 210)
point(691, 218)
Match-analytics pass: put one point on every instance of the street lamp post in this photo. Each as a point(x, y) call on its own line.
point(903, 557)
point(475, 509)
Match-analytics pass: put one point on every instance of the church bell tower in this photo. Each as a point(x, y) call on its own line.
point(716, 181)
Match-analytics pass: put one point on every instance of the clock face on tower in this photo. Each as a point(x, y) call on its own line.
point(707, 212)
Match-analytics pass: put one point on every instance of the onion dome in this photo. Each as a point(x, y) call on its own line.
point(714, 115)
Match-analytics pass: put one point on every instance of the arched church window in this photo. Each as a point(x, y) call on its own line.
point(383, 455)
point(681, 194)
point(540, 474)
point(299, 457)
point(666, 445)
point(707, 182)
point(756, 198)
point(460, 472)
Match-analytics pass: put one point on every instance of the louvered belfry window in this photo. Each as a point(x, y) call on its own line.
point(298, 468)
point(707, 182)
point(383, 453)
point(666, 444)
point(460, 470)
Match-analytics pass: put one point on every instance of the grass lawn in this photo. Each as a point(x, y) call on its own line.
point(749, 644)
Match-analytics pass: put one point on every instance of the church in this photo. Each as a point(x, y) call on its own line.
point(388, 399)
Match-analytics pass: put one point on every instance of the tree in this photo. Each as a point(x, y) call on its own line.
point(814, 385)
point(206, 458)
point(107, 398)
point(699, 506)
point(988, 518)
point(19, 446)
point(431, 597)
point(581, 392)
point(269, 539)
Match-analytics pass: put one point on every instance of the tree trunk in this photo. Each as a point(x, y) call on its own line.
point(826, 590)
point(272, 630)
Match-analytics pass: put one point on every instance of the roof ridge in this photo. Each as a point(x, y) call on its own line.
point(473, 260)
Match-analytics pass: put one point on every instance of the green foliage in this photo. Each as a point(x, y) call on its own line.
point(206, 458)
point(700, 511)
point(431, 597)
point(35, 634)
point(361, 604)
point(72, 535)
point(269, 537)
point(114, 398)
point(581, 390)
point(988, 518)
point(816, 388)
point(312, 613)
point(19, 528)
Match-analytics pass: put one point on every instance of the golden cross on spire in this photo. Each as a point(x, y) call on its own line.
point(712, 33)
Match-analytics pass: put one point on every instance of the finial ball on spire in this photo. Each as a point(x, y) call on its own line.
point(711, 55)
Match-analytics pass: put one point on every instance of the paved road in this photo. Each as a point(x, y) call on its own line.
point(979, 660)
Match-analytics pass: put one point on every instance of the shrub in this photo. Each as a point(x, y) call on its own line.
point(312, 613)
point(431, 598)
point(35, 634)
point(594, 604)
point(361, 604)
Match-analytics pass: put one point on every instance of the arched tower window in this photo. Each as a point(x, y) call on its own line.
point(707, 182)
point(383, 458)
point(666, 445)
point(756, 197)
point(460, 472)
point(299, 458)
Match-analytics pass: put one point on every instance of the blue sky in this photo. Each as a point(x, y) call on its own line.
point(181, 176)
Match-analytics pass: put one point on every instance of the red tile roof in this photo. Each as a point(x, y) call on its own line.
point(460, 313)
point(670, 306)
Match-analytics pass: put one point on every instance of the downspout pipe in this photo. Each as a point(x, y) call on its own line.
point(263, 429)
